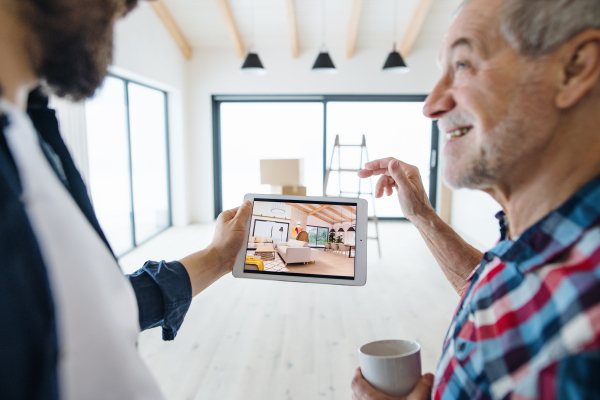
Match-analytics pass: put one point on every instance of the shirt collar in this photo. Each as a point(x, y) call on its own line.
point(554, 233)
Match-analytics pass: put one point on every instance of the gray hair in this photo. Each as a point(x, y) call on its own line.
point(538, 27)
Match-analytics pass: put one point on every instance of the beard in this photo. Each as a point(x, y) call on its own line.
point(72, 42)
point(485, 163)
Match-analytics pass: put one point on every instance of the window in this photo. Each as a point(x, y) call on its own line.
point(317, 235)
point(392, 129)
point(251, 132)
point(128, 162)
point(278, 231)
point(250, 128)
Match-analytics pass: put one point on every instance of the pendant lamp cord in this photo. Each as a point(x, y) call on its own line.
point(252, 27)
point(324, 21)
point(395, 23)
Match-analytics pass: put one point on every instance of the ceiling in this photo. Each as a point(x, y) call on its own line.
point(331, 213)
point(203, 26)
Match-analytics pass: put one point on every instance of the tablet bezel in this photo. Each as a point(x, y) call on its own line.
point(360, 260)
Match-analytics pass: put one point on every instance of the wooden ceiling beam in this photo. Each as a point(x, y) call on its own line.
point(353, 29)
point(319, 209)
point(344, 217)
point(351, 209)
point(323, 219)
point(297, 206)
point(169, 22)
point(292, 20)
point(418, 20)
point(232, 30)
point(331, 217)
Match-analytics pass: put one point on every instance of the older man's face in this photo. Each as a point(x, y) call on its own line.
point(496, 107)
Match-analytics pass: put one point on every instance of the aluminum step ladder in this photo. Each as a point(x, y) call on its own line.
point(363, 152)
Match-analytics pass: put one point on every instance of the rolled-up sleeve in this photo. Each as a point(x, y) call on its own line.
point(164, 293)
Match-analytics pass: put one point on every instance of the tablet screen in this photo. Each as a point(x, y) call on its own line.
point(302, 238)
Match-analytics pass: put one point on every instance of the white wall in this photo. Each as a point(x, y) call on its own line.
point(473, 217)
point(218, 72)
point(145, 52)
point(314, 221)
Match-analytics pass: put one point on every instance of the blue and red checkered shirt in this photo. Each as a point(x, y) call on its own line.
point(528, 326)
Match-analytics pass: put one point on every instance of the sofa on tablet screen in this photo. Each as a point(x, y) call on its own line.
point(295, 251)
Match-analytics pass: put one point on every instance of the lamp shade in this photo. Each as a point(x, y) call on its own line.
point(252, 65)
point(278, 208)
point(341, 230)
point(395, 64)
point(281, 229)
point(324, 64)
point(351, 229)
point(332, 230)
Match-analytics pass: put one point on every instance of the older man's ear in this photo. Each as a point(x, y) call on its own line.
point(580, 70)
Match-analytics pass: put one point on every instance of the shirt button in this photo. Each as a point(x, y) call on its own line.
point(488, 257)
point(461, 346)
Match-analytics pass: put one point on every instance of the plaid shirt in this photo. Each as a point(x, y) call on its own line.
point(528, 326)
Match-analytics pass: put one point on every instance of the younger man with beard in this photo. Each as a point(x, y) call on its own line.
point(70, 318)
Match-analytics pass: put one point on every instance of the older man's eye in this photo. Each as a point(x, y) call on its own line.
point(460, 65)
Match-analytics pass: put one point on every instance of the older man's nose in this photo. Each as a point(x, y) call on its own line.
point(439, 102)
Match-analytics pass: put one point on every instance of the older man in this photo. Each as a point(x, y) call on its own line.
point(519, 101)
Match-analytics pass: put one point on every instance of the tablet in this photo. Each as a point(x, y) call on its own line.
point(305, 239)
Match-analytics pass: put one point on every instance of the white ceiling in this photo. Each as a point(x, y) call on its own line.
point(203, 26)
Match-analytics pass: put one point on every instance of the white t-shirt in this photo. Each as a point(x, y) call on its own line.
point(96, 308)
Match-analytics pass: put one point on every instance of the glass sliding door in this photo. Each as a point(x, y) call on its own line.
point(248, 129)
point(108, 155)
point(316, 235)
point(149, 161)
point(392, 129)
point(251, 132)
point(322, 236)
point(128, 162)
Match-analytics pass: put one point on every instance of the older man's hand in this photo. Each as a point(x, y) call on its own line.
point(361, 390)
point(406, 179)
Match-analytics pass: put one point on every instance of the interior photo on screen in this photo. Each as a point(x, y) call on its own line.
point(297, 238)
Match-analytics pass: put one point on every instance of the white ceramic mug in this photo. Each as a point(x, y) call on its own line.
point(391, 366)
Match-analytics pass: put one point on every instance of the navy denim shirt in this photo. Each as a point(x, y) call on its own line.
point(28, 338)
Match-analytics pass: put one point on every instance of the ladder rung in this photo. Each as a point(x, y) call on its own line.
point(349, 145)
point(344, 170)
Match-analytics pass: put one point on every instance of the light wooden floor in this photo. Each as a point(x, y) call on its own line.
point(254, 340)
point(329, 263)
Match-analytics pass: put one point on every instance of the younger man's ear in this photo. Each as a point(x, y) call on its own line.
point(581, 68)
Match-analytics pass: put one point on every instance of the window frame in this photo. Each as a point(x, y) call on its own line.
point(126, 82)
point(318, 227)
point(287, 234)
point(217, 100)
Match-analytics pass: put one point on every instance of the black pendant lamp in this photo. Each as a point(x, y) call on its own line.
point(341, 230)
point(324, 63)
point(395, 63)
point(252, 64)
point(332, 230)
